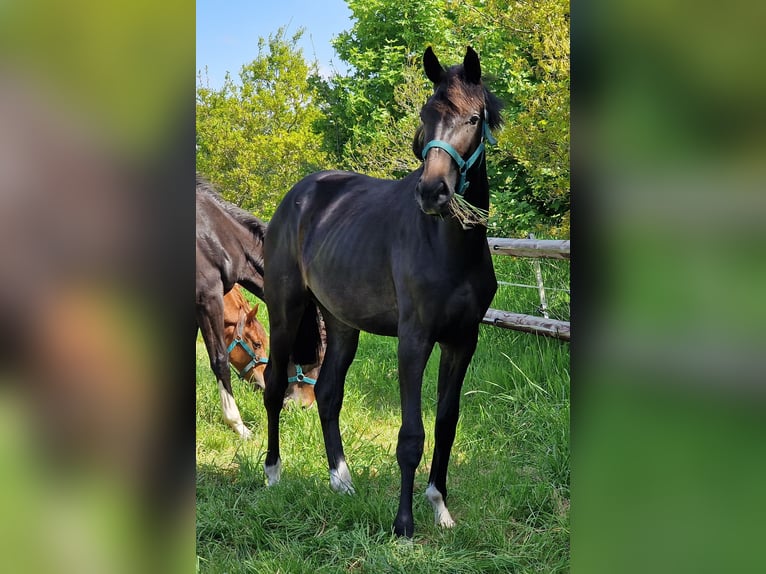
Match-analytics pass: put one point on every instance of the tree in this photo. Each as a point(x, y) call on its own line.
point(256, 138)
point(525, 44)
point(524, 48)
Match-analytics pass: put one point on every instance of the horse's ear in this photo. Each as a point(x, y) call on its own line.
point(472, 66)
point(241, 322)
point(252, 313)
point(417, 143)
point(432, 67)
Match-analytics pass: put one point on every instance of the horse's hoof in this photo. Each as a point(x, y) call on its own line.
point(404, 528)
point(340, 479)
point(442, 517)
point(244, 432)
point(273, 473)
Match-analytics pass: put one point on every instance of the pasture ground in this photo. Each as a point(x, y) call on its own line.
point(508, 479)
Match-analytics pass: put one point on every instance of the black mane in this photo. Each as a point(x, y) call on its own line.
point(255, 225)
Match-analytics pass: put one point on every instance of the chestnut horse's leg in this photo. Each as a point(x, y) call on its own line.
point(452, 368)
point(210, 321)
point(342, 342)
point(414, 350)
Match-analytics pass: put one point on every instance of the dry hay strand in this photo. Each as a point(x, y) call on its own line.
point(467, 215)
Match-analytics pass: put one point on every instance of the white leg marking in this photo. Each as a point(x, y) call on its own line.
point(273, 473)
point(340, 479)
point(442, 516)
point(231, 413)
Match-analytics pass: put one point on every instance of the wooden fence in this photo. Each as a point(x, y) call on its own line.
point(549, 248)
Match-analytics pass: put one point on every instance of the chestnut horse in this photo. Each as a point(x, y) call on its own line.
point(390, 258)
point(248, 346)
point(245, 338)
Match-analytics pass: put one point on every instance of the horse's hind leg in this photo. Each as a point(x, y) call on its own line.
point(210, 321)
point(452, 368)
point(285, 314)
point(342, 342)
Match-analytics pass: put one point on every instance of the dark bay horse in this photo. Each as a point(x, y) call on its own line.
point(229, 251)
point(390, 258)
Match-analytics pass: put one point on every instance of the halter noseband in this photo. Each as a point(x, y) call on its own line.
point(464, 165)
point(301, 378)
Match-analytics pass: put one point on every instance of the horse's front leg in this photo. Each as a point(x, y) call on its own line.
point(452, 368)
point(210, 321)
point(414, 351)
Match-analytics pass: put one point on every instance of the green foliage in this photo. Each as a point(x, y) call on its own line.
point(530, 62)
point(524, 49)
point(256, 138)
point(387, 151)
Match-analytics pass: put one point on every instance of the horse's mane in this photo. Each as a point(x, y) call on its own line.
point(248, 220)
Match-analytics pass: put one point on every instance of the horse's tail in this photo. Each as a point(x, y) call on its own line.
point(308, 342)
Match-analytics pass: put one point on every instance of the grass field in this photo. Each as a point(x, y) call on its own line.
point(508, 479)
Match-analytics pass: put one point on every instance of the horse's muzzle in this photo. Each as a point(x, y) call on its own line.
point(433, 196)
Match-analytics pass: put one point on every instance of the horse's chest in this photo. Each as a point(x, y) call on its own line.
point(460, 298)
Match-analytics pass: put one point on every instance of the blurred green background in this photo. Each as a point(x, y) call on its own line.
point(667, 232)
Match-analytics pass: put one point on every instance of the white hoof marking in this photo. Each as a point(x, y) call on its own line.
point(231, 413)
point(273, 473)
point(340, 479)
point(442, 516)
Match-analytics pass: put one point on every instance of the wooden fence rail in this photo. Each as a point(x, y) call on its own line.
point(528, 324)
point(554, 249)
point(551, 248)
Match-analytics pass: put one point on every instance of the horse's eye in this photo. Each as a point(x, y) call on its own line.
point(257, 345)
point(474, 119)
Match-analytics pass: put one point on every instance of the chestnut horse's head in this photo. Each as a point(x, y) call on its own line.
point(456, 122)
point(246, 339)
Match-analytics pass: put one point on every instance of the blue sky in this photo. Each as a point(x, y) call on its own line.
point(228, 31)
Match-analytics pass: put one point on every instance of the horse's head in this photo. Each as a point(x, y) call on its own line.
point(248, 347)
point(456, 122)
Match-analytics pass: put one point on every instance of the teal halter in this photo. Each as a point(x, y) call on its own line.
point(255, 360)
point(464, 165)
point(300, 377)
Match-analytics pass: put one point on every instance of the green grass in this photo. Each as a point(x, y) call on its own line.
point(508, 479)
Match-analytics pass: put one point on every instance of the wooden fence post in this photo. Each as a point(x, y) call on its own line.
point(540, 286)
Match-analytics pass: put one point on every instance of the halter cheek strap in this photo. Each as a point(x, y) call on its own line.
point(464, 165)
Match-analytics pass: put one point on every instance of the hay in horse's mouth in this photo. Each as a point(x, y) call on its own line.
point(467, 215)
